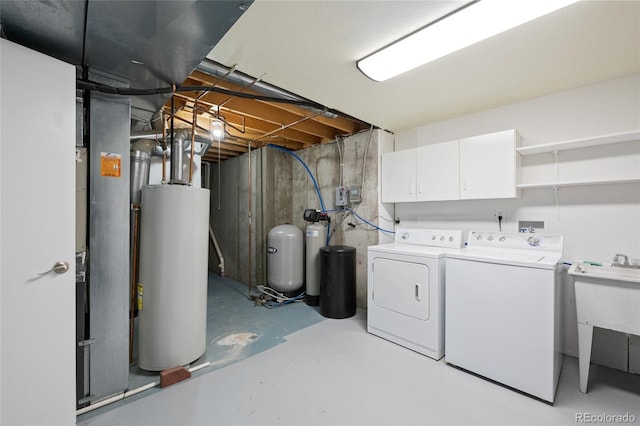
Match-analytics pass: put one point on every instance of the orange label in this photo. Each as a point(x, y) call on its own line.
point(110, 164)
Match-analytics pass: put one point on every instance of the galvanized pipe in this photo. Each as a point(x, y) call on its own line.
point(177, 155)
point(140, 155)
point(200, 137)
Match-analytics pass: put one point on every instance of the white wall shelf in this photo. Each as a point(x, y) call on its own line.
point(576, 183)
point(581, 143)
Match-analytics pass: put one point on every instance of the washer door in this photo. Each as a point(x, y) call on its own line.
point(402, 287)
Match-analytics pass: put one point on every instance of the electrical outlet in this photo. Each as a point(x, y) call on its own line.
point(501, 212)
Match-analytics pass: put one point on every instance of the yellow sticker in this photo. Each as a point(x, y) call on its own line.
point(110, 164)
point(140, 292)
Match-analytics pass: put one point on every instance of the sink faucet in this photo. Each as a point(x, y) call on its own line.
point(620, 260)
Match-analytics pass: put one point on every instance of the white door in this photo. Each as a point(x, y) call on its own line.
point(37, 229)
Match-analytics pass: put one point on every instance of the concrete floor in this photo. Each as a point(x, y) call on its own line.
point(335, 373)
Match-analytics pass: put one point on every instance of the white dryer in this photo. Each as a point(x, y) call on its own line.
point(405, 288)
point(503, 310)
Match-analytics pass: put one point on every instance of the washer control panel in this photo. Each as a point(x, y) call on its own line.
point(430, 237)
point(516, 240)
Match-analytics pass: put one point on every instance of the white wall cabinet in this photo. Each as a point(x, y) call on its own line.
point(478, 167)
point(399, 176)
point(489, 166)
point(437, 172)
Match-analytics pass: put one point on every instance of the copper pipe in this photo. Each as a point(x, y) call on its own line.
point(193, 141)
point(244, 89)
point(250, 218)
point(164, 150)
point(134, 272)
point(177, 117)
point(286, 126)
point(173, 114)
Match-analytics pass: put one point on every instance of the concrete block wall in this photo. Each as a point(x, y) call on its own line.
point(233, 217)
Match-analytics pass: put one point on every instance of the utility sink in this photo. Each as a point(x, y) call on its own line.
point(606, 272)
point(606, 297)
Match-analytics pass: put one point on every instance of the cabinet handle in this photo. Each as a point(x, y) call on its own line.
point(410, 189)
point(464, 184)
point(420, 189)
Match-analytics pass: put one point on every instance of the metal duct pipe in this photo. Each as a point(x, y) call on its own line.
point(222, 72)
point(177, 154)
point(201, 137)
point(140, 154)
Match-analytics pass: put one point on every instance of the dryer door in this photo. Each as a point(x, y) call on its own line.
point(402, 287)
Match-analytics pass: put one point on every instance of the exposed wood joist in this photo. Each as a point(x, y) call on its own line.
point(254, 122)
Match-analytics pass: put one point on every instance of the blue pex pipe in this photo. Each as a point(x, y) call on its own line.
point(315, 184)
point(369, 223)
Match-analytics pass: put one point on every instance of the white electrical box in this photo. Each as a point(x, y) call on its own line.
point(342, 196)
point(355, 197)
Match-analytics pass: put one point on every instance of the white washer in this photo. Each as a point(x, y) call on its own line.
point(405, 283)
point(502, 310)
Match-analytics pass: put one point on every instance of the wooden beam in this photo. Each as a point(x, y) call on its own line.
point(255, 127)
point(266, 111)
point(342, 123)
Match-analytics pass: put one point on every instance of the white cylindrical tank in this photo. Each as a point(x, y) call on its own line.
point(285, 267)
point(315, 238)
point(172, 290)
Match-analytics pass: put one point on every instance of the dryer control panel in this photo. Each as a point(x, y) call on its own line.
point(429, 237)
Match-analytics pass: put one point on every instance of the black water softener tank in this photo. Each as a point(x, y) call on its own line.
point(337, 281)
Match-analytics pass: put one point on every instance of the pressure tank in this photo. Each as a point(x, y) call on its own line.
point(315, 238)
point(172, 289)
point(285, 267)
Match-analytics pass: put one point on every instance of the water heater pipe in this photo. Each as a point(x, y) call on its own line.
point(204, 138)
point(193, 141)
point(218, 251)
point(177, 152)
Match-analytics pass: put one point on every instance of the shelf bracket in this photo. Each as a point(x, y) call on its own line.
point(556, 158)
point(556, 198)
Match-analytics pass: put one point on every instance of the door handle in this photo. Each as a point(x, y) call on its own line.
point(59, 267)
point(417, 294)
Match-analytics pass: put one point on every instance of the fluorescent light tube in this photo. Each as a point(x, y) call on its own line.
point(468, 26)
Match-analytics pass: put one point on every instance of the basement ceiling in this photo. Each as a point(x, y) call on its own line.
point(311, 48)
point(254, 113)
point(305, 52)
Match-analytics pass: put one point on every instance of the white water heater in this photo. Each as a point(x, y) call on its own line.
point(172, 289)
point(316, 237)
point(285, 254)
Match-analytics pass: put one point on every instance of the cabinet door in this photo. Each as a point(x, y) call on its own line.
point(399, 176)
point(488, 165)
point(438, 172)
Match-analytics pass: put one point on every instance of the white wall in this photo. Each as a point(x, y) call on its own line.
point(597, 221)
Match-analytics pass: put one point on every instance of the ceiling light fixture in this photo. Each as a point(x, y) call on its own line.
point(217, 128)
point(474, 23)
